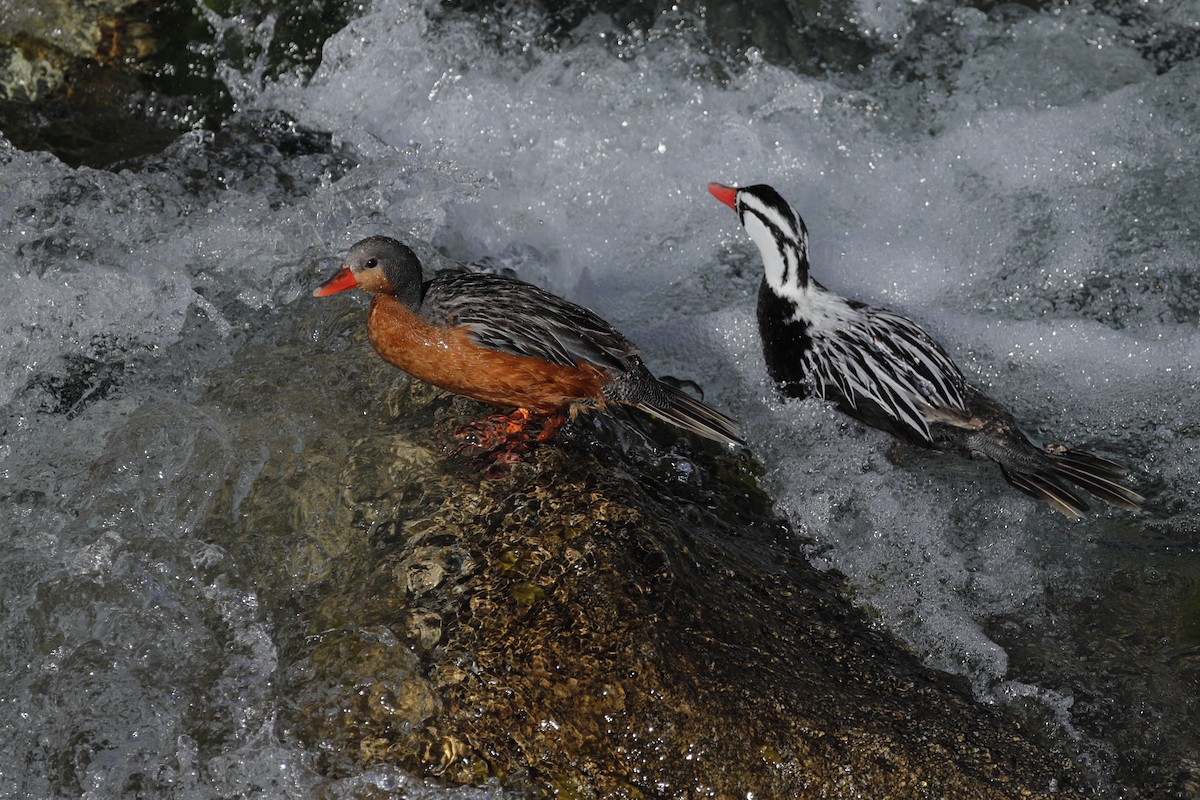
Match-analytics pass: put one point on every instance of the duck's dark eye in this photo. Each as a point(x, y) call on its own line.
point(372, 263)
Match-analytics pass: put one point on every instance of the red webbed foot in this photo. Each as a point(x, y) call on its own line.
point(502, 439)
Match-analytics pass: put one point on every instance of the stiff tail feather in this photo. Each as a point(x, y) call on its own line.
point(1098, 475)
point(686, 412)
point(1093, 473)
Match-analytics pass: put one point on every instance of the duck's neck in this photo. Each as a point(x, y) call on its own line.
point(784, 254)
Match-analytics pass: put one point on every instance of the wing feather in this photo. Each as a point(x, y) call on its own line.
point(515, 317)
point(860, 354)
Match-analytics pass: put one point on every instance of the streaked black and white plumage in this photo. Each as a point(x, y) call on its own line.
point(886, 371)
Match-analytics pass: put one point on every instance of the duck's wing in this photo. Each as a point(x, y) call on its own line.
point(515, 317)
point(877, 357)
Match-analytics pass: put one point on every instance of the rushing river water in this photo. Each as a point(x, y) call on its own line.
point(1023, 181)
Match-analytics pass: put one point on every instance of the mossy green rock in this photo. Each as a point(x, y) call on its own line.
point(40, 42)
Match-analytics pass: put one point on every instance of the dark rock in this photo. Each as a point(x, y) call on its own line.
point(41, 42)
point(604, 620)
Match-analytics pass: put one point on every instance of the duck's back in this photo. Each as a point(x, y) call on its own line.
point(878, 366)
point(520, 319)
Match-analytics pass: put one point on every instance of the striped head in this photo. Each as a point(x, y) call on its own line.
point(778, 231)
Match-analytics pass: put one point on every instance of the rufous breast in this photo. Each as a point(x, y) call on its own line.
point(448, 357)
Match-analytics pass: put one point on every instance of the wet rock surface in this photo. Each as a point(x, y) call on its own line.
point(68, 74)
point(606, 619)
point(40, 42)
point(100, 82)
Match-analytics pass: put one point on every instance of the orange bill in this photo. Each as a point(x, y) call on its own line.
point(342, 280)
point(726, 194)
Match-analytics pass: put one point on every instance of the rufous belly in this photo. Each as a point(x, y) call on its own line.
point(447, 357)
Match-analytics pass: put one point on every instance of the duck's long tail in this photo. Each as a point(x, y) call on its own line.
point(988, 429)
point(684, 411)
point(1097, 475)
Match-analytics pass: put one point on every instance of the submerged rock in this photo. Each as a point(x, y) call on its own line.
point(607, 619)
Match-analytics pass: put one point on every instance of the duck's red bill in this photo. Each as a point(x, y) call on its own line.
point(726, 194)
point(342, 280)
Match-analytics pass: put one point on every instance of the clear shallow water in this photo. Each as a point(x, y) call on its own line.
point(1023, 183)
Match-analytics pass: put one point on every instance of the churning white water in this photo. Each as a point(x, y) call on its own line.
point(1024, 183)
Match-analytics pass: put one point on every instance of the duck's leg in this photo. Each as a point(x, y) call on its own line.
point(550, 427)
point(501, 437)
